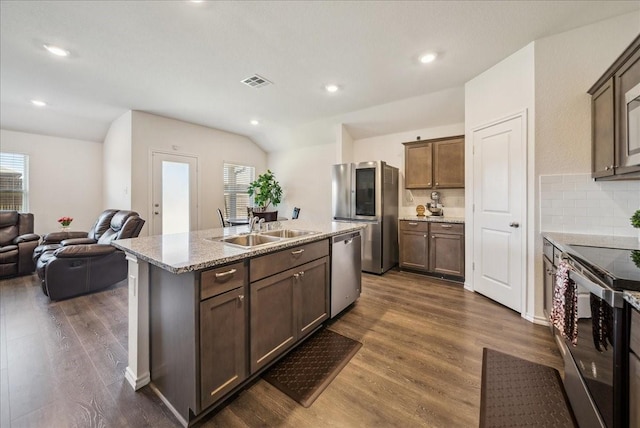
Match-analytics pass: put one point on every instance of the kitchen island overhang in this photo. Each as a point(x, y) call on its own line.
point(156, 261)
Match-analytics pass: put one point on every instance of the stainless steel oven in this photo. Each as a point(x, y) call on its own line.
point(596, 366)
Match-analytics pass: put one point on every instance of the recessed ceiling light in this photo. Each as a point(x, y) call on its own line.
point(38, 103)
point(331, 88)
point(255, 122)
point(427, 58)
point(56, 50)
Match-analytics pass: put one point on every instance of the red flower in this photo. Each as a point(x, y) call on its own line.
point(65, 221)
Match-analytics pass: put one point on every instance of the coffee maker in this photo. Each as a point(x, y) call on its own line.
point(435, 207)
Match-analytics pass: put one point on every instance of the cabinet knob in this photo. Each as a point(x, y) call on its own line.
point(425, 236)
point(433, 236)
point(296, 275)
point(241, 298)
point(437, 184)
point(514, 224)
point(301, 273)
point(429, 184)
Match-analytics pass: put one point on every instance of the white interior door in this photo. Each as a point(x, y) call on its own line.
point(174, 195)
point(499, 198)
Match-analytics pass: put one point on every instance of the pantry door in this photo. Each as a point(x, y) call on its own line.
point(499, 198)
point(174, 193)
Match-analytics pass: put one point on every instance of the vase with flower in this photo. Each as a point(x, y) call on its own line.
point(65, 222)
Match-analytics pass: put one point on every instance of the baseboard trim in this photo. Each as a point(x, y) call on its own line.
point(137, 382)
point(182, 421)
point(536, 319)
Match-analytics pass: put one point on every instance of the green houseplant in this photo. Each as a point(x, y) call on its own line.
point(635, 221)
point(265, 191)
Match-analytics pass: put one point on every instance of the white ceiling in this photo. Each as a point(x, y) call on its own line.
point(185, 60)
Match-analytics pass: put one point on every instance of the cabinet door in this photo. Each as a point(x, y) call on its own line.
point(223, 346)
point(418, 166)
point(447, 254)
point(273, 318)
point(414, 249)
point(448, 161)
point(634, 391)
point(548, 279)
point(312, 287)
point(602, 131)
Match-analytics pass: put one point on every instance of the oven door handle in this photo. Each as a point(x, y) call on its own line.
point(612, 298)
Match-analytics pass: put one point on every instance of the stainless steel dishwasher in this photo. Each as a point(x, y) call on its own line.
point(346, 270)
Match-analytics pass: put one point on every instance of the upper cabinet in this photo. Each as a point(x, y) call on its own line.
point(434, 164)
point(615, 119)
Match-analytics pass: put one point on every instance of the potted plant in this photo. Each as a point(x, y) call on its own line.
point(265, 191)
point(635, 221)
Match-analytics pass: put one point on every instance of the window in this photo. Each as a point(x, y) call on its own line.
point(236, 183)
point(14, 182)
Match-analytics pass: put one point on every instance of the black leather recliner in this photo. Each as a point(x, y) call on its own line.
point(74, 263)
point(17, 242)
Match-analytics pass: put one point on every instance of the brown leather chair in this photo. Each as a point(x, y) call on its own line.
point(17, 242)
point(74, 263)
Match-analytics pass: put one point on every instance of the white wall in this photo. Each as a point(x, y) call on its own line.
point(117, 164)
point(504, 90)
point(344, 145)
point(65, 178)
point(212, 147)
point(305, 176)
point(390, 149)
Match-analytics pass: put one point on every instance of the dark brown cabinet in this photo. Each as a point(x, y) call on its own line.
point(446, 249)
point(414, 245)
point(602, 133)
point(434, 164)
point(223, 345)
point(614, 156)
point(432, 247)
point(634, 371)
point(288, 304)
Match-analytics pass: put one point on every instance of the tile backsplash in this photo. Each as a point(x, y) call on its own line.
point(577, 204)
point(451, 199)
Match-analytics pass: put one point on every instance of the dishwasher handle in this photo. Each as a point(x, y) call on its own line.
point(347, 238)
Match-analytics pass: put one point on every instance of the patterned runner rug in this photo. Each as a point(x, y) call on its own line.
point(310, 368)
point(517, 392)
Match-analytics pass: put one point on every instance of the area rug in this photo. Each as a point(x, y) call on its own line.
point(517, 392)
point(310, 368)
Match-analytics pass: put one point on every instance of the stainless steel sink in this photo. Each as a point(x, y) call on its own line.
point(250, 240)
point(289, 233)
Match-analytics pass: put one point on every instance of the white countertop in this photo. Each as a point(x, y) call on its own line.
point(187, 252)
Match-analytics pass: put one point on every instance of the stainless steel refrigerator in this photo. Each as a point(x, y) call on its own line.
point(368, 192)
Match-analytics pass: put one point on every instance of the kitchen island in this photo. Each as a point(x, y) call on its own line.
point(206, 317)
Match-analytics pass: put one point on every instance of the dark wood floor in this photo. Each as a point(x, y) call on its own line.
point(62, 363)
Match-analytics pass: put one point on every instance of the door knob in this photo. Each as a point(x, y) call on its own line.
point(514, 224)
point(156, 212)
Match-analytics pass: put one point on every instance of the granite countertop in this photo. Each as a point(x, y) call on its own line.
point(433, 218)
point(187, 252)
point(560, 240)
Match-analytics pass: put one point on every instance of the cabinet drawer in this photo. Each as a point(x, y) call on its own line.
point(547, 249)
point(457, 228)
point(220, 280)
point(262, 267)
point(635, 332)
point(418, 226)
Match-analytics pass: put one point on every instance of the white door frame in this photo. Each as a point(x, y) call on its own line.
point(524, 223)
point(152, 151)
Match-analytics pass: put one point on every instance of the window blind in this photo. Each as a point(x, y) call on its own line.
point(236, 184)
point(14, 182)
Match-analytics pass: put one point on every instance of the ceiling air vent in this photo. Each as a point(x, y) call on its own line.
point(256, 81)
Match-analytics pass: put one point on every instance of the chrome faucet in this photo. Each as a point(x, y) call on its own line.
point(252, 223)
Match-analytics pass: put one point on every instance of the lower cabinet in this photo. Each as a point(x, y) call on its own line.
point(446, 249)
point(286, 307)
point(634, 370)
point(414, 245)
point(223, 345)
point(432, 247)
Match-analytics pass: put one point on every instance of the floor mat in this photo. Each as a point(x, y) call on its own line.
point(517, 393)
point(310, 368)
